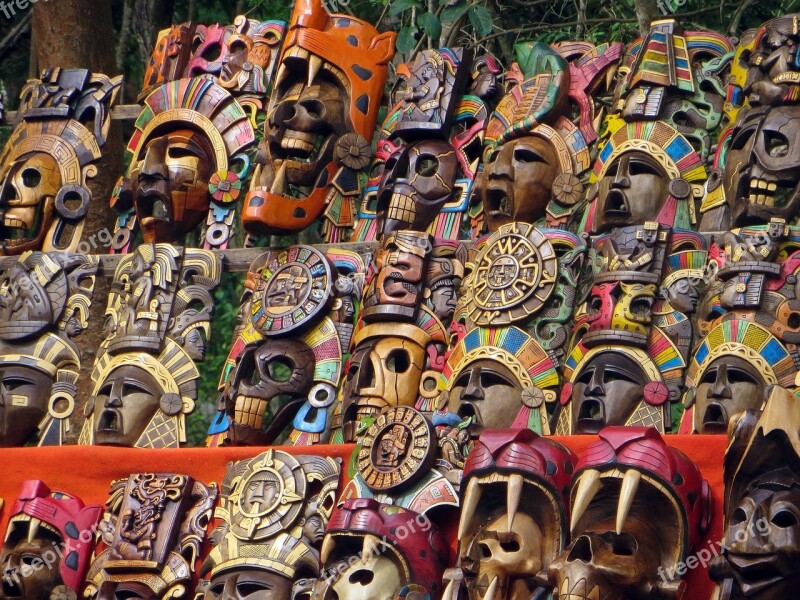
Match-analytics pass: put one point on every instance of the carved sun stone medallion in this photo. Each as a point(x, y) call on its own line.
point(515, 275)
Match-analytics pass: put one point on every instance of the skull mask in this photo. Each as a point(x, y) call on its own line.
point(631, 192)
point(601, 563)
point(517, 181)
point(417, 182)
point(383, 371)
point(504, 560)
point(27, 202)
point(171, 185)
point(270, 378)
point(761, 168)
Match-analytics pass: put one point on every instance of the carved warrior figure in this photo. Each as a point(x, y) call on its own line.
point(398, 347)
point(157, 325)
point(274, 510)
point(285, 361)
point(629, 349)
point(44, 526)
point(756, 174)
point(759, 553)
point(535, 157)
point(618, 549)
point(514, 518)
point(652, 165)
point(51, 157)
point(748, 319)
point(320, 121)
point(511, 328)
point(151, 533)
point(381, 552)
point(44, 303)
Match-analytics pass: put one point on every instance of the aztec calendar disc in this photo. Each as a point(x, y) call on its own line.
point(292, 287)
point(397, 450)
point(515, 274)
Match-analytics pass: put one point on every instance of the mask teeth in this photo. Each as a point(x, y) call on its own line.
point(588, 486)
point(314, 65)
point(493, 588)
point(630, 485)
point(514, 492)
point(279, 183)
point(327, 547)
point(471, 500)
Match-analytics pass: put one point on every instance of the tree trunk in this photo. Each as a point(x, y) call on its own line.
point(646, 12)
point(124, 35)
point(150, 17)
point(78, 34)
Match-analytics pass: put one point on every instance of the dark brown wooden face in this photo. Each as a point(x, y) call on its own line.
point(606, 391)
point(417, 182)
point(762, 167)
point(21, 581)
point(729, 386)
point(249, 584)
point(171, 185)
point(517, 183)
point(631, 192)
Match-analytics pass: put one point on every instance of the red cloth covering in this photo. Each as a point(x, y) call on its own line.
point(87, 472)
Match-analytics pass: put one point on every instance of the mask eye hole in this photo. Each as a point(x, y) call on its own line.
point(740, 140)
point(279, 369)
point(640, 167)
point(31, 178)
point(427, 165)
point(398, 361)
point(315, 108)
point(510, 546)
point(739, 376)
point(784, 518)
point(739, 516)
point(527, 156)
point(777, 145)
point(178, 152)
point(212, 53)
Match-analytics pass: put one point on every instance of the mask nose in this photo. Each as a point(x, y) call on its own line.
point(622, 179)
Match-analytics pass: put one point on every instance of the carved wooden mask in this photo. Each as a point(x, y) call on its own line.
point(54, 530)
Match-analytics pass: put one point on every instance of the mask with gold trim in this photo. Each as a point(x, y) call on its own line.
point(51, 157)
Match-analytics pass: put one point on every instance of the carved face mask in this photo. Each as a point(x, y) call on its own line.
point(24, 397)
point(171, 185)
point(517, 183)
point(244, 584)
point(417, 182)
point(267, 378)
point(631, 192)
point(487, 391)
point(762, 167)
point(21, 581)
point(383, 372)
point(27, 202)
point(728, 387)
point(209, 50)
point(501, 562)
point(301, 133)
point(601, 563)
point(606, 392)
point(683, 296)
point(125, 403)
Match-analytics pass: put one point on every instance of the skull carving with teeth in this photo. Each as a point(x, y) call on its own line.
point(50, 158)
point(418, 180)
point(369, 554)
point(618, 550)
point(42, 524)
point(761, 168)
point(321, 115)
point(514, 515)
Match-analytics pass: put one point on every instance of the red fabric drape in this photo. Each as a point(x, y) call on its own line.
point(88, 471)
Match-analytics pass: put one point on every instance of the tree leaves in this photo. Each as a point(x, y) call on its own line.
point(399, 6)
point(406, 39)
point(430, 25)
point(481, 20)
